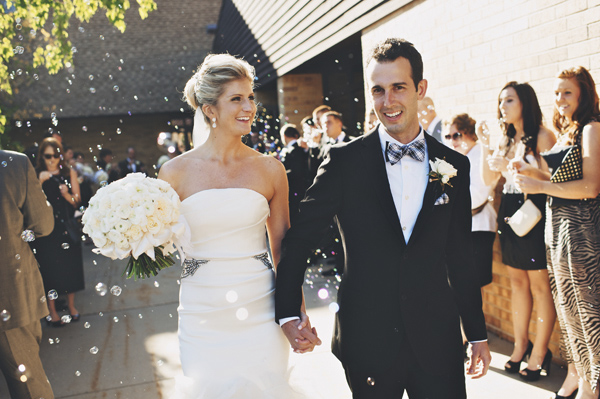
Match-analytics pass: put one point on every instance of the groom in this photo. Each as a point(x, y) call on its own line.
point(409, 276)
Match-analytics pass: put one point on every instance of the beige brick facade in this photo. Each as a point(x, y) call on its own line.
point(120, 80)
point(472, 48)
point(298, 95)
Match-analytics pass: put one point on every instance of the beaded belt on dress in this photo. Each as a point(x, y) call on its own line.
point(191, 265)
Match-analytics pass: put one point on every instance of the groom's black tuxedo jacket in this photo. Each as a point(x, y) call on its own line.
point(391, 291)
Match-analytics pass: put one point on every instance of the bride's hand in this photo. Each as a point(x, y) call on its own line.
point(301, 335)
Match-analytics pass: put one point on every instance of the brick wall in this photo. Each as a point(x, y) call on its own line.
point(132, 80)
point(142, 70)
point(472, 48)
point(297, 96)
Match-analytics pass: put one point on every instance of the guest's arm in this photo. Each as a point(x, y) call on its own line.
point(588, 187)
point(37, 212)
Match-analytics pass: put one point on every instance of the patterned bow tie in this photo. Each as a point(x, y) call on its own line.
point(415, 150)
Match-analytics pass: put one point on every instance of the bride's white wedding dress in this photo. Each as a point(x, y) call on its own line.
point(230, 345)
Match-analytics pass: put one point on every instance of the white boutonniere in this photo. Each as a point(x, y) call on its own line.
point(441, 171)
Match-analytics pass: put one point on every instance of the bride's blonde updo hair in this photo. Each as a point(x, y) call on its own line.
point(208, 83)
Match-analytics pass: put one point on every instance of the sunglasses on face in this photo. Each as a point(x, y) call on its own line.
point(454, 136)
point(50, 156)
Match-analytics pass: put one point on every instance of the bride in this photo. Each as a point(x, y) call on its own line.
point(230, 345)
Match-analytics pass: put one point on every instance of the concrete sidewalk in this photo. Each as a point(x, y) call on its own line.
point(126, 346)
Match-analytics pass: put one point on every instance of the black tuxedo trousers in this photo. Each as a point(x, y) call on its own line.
point(393, 293)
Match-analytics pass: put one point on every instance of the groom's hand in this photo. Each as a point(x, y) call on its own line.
point(301, 335)
point(479, 361)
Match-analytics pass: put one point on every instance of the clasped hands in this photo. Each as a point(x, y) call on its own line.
point(301, 335)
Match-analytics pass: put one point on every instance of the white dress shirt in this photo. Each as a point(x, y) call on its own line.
point(408, 181)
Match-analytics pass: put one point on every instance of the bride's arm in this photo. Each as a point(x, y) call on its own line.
point(278, 222)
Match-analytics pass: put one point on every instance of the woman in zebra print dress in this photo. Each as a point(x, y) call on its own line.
point(572, 183)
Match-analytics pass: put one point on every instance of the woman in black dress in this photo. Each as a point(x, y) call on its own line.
point(59, 255)
point(571, 180)
point(524, 137)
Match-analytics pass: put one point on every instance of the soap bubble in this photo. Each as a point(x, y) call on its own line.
point(52, 294)
point(94, 350)
point(65, 245)
point(27, 236)
point(5, 315)
point(116, 290)
point(101, 289)
point(86, 324)
point(66, 319)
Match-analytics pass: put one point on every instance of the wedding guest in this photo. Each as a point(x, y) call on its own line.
point(131, 164)
point(85, 176)
point(429, 119)
point(295, 161)
point(59, 254)
point(570, 179)
point(108, 171)
point(524, 137)
point(333, 127)
point(24, 209)
point(461, 136)
point(318, 113)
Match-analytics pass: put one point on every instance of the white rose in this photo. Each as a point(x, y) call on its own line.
point(154, 225)
point(108, 223)
point(123, 226)
point(99, 239)
point(123, 244)
point(139, 218)
point(446, 169)
point(134, 233)
point(445, 179)
point(114, 236)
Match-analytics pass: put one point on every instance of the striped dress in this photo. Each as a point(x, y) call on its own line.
point(573, 257)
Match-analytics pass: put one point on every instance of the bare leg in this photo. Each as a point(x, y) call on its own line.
point(52, 310)
point(71, 301)
point(585, 390)
point(540, 287)
point(571, 382)
point(522, 303)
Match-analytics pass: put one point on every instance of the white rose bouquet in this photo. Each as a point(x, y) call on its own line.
point(137, 216)
point(441, 171)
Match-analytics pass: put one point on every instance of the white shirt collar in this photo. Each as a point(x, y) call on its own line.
point(341, 137)
point(291, 143)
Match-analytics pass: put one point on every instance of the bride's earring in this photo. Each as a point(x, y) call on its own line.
point(214, 122)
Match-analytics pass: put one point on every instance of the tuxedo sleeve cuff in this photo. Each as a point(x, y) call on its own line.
point(286, 319)
point(476, 342)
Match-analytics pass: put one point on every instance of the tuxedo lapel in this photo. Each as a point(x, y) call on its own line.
point(433, 190)
point(375, 166)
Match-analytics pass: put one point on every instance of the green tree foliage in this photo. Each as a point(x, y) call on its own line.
point(48, 21)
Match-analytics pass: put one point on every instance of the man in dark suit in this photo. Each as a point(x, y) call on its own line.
point(409, 277)
point(295, 160)
point(25, 215)
point(131, 164)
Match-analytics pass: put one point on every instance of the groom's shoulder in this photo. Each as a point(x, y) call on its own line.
point(356, 144)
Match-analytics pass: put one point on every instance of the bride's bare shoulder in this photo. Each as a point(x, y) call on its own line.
point(271, 166)
point(171, 170)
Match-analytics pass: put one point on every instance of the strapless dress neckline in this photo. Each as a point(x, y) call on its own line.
point(222, 189)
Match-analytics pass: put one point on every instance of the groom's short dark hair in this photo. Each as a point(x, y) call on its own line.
point(393, 48)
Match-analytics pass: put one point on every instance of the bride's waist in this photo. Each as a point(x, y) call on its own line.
point(214, 256)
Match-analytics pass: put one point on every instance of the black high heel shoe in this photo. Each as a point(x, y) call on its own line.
point(534, 375)
point(514, 367)
point(571, 396)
